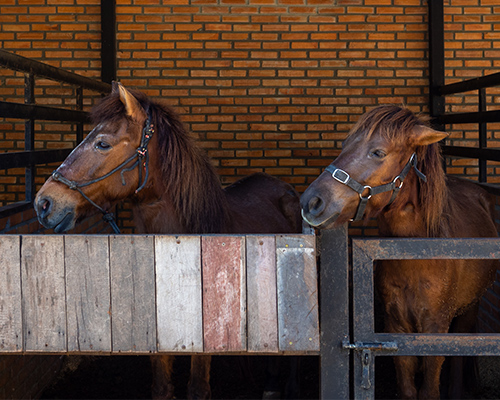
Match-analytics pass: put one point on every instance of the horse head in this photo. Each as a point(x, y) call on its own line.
point(380, 150)
point(103, 169)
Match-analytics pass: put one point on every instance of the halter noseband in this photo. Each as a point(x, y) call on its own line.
point(142, 156)
point(343, 177)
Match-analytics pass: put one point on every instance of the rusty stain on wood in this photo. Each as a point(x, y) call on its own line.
point(224, 302)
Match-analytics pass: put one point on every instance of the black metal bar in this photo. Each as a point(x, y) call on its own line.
point(79, 106)
point(21, 159)
point(14, 208)
point(108, 40)
point(482, 135)
point(19, 63)
point(29, 137)
point(365, 252)
point(436, 59)
point(24, 111)
point(426, 249)
point(441, 344)
point(471, 84)
point(469, 118)
point(334, 311)
point(472, 152)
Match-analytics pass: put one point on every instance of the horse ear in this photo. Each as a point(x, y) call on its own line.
point(114, 87)
point(423, 135)
point(132, 106)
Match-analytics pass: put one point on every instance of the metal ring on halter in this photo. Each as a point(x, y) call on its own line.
point(400, 182)
point(369, 193)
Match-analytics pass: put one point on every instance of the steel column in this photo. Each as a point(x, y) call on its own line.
point(334, 317)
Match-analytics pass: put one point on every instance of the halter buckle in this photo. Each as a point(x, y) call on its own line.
point(339, 179)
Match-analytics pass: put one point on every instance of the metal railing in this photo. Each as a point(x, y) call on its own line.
point(30, 112)
point(438, 90)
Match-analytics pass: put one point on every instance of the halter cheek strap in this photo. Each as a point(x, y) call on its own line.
point(142, 161)
point(366, 192)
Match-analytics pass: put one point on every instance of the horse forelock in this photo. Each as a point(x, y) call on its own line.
point(389, 121)
point(185, 170)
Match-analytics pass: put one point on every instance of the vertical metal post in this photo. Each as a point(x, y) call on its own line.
point(29, 137)
point(334, 317)
point(436, 60)
point(108, 40)
point(483, 141)
point(79, 106)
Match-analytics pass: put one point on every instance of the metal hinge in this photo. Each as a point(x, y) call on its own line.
point(366, 349)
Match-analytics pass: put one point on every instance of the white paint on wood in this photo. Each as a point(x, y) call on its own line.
point(43, 288)
point(178, 293)
point(88, 293)
point(11, 338)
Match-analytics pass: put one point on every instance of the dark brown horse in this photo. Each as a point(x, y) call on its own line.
point(387, 145)
point(139, 150)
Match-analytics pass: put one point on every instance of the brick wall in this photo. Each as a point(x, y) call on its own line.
point(267, 85)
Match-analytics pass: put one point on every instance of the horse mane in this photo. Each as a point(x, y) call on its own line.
point(396, 124)
point(192, 183)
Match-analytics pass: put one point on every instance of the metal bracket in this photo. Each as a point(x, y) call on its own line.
point(366, 349)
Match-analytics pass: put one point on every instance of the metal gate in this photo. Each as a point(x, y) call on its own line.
point(349, 343)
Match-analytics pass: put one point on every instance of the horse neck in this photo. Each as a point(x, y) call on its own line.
point(420, 207)
point(185, 195)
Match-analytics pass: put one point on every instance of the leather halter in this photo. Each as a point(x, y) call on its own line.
point(142, 161)
point(343, 177)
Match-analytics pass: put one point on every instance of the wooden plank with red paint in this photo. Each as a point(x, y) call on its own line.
point(261, 294)
point(224, 293)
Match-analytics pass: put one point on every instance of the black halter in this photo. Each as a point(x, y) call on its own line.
point(343, 177)
point(142, 161)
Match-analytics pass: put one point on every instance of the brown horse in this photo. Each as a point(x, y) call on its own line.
point(139, 150)
point(387, 145)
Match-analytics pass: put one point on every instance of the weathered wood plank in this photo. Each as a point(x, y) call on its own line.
point(132, 264)
point(297, 293)
point(261, 294)
point(88, 295)
point(224, 297)
point(43, 288)
point(11, 338)
point(178, 294)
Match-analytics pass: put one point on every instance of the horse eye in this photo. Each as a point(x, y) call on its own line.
point(102, 145)
point(377, 154)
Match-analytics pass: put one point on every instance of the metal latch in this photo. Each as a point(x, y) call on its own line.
point(366, 349)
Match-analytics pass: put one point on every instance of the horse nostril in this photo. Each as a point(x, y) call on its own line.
point(44, 207)
point(316, 206)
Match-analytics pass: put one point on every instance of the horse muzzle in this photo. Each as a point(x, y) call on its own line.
point(314, 211)
point(55, 216)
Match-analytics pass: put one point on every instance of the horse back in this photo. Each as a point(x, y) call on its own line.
point(472, 209)
point(260, 203)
